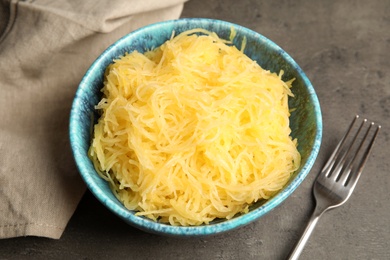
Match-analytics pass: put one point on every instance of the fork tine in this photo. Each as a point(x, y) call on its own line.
point(337, 171)
point(352, 180)
point(326, 170)
point(344, 176)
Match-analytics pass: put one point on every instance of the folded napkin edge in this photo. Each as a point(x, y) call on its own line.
point(31, 229)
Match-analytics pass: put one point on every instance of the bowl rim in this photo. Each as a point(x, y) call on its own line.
point(213, 228)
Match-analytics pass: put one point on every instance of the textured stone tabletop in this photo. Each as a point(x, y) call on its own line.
point(344, 48)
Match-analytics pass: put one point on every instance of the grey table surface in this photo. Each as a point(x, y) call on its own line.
point(344, 48)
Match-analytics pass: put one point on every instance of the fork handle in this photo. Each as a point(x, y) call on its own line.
point(296, 252)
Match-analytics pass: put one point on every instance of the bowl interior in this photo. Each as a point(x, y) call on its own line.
point(305, 120)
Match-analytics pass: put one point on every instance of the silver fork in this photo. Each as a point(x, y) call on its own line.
point(338, 178)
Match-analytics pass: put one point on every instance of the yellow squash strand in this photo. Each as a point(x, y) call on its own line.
point(193, 130)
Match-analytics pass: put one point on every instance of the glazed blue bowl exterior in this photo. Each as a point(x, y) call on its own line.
point(305, 120)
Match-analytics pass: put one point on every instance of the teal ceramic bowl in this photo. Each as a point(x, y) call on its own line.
point(305, 121)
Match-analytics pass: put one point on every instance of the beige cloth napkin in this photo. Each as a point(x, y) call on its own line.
point(45, 48)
